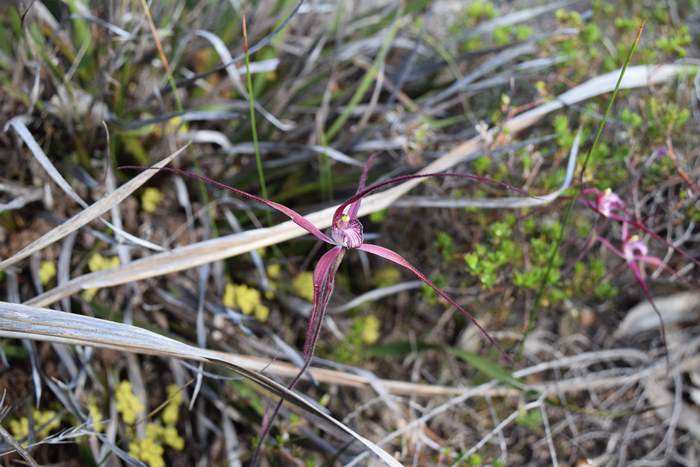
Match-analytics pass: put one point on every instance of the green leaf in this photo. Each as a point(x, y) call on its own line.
point(490, 368)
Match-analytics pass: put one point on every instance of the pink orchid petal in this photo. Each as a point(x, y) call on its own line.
point(633, 248)
point(590, 191)
point(292, 214)
point(324, 279)
point(393, 181)
point(398, 259)
point(608, 201)
point(654, 261)
point(610, 247)
point(645, 229)
point(354, 207)
point(605, 201)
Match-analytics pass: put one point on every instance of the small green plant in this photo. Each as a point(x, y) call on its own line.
point(445, 245)
point(487, 263)
point(675, 42)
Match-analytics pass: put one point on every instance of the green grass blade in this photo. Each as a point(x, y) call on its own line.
point(366, 82)
point(489, 368)
point(253, 126)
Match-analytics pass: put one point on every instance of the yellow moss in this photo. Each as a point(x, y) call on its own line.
point(147, 450)
point(246, 299)
point(89, 294)
point(171, 413)
point(45, 421)
point(229, 298)
point(261, 312)
point(153, 431)
point(128, 405)
point(370, 329)
point(19, 428)
point(95, 416)
point(274, 271)
point(97, 262)
point(303, 285)
point(47, 271)
point(150, 448)
point(172, 438)
point(150, 199)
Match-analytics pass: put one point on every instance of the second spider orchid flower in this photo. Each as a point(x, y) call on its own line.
point(635, 253)
point(609, 205)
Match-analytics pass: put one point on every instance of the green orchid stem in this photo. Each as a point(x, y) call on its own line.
point(533, 319)
point(253, 126)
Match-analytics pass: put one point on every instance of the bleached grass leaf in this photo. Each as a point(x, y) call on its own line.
point(25, 322)
point(89, 213)
point(676, 308)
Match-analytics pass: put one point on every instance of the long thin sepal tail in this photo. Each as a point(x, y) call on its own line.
point(398, 259)
point(297, 218)
point(353, 200)
point(355, 207)
point(324, 280)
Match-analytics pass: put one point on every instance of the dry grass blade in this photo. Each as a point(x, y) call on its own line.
point(196, 254)
point(24, 322)
point(17, 124)
point(507, 202)
point(5, 435)
point(88, 214)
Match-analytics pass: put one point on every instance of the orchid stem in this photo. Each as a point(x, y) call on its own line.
point(534, 315)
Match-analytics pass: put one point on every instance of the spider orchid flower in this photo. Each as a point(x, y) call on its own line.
point(635, 252)
point(346, 234)
point(606, 202)
point(609, 205)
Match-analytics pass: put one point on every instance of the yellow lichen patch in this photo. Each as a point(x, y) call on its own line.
point(150, 199)
point(303, 285)
point(95, 416)
point(47, 271)
point(153, 431)
point(128, 405)
point(262, 312)
point(171, 413)
point(148, 450)
point(370, 329)
point(274, 271)
point(172, 438)
point(97, 262)
point(246, 299)
point(89, 294)
point(20, 427)
point(45, 421)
